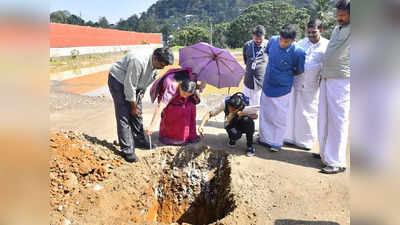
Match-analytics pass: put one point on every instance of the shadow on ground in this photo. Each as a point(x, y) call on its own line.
point(219, 142)
point(303, 222)
point(287, 155)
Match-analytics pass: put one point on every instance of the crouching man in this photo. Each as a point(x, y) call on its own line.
point(236, 121)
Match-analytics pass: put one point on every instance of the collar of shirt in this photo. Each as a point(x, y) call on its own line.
point(262, 45)
point(287, 49)
point(341, 27)
point(151, 66)
point(316, 44)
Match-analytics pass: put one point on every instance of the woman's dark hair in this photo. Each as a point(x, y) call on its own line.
point(181, 75)
point(164, 55)
point(288, 31)
point(343, 5)
point(188, 86)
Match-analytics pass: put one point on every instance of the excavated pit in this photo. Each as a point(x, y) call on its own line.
point(194, 186)
point(91, 184)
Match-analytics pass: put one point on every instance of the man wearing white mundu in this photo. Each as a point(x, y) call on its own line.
point(303, 113)
point(334, 99)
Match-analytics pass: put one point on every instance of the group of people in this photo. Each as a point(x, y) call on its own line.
point(302, 89)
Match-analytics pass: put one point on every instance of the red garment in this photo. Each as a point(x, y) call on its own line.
point(178, 119)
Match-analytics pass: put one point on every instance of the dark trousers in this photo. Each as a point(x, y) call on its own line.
point(239, 126)
point(129, 128)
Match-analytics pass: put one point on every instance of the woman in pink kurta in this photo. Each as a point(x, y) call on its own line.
point(178, 113)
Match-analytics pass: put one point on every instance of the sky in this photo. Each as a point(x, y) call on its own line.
point(113, 10)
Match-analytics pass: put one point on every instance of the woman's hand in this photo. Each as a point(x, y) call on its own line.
point(201, 130)
point(149, 130)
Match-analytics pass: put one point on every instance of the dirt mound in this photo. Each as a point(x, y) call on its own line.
point(91, 184)
point(76, 162)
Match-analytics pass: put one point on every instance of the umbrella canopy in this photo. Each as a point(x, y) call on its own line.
point(212, 65)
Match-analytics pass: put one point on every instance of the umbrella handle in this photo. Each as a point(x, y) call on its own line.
point(229, 90)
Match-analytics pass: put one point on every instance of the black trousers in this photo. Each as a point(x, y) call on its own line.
point(129, 128)
point(239, 126)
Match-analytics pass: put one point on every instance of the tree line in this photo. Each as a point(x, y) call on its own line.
point(227, 23)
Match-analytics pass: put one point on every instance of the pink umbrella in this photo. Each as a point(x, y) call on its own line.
point(212, 65)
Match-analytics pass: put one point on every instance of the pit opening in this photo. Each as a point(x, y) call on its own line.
point(195, 187)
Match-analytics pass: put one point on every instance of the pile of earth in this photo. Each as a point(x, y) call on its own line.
point(91, 184)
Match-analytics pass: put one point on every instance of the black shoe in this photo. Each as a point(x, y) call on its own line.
point(251, 151)
point(145, 145)
point(231, 143)
point(291, 145)
point(304, 148)
point(131, 157)
point(332, 169)
point(275, 149)
point(316, 155)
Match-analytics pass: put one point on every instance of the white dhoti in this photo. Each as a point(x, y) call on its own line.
point(254, 95)
point(333, 120)
point(303, 114)
point(273, 119)
point(254, 98)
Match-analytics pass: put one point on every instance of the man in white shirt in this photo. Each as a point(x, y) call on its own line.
point(303, 114)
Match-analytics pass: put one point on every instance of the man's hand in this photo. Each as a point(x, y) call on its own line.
point(253, 116)
point(241, 114)
point(135, 111)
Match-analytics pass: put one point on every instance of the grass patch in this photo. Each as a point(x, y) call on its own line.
point(82, 61)
point(235, 49)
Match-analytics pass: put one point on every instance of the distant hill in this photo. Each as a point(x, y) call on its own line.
point(181, 11)
point(170, 16)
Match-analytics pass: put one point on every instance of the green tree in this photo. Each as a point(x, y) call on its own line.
point(59, 16)
point(76, 20)
point(323, 10)
point(148, 25)
point(89, 23)
point(103, 22)
point(272, 15)
point(133, 22)
point(166, 31)
point(122, 25)
point(219, 35)
point(190, 35)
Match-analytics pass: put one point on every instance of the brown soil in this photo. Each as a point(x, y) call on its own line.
point(90, 184)
point(282, 188)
